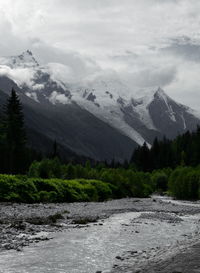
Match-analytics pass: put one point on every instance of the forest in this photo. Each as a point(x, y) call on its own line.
point(169, 166)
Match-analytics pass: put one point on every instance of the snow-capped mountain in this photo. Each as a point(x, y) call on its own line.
point(25, 60)
point(99, 117)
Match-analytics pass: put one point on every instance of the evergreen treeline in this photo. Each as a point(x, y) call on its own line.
point(15, 156)
point(184, 150)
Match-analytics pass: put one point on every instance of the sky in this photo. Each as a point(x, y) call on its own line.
point(147, 43)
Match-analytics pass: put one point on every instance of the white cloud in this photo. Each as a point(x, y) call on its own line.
point(139, 40)
point(19, 75)
point(58, 97)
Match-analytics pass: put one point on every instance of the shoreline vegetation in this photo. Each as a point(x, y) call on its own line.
point(75, 183)
point(169, 166)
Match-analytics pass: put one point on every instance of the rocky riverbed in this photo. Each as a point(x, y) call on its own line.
point(138, 235)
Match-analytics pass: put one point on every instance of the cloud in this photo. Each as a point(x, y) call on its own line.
point(152, 78)
point(19, 75)
point(58, 97)
point(146, 42)
point(185, 48)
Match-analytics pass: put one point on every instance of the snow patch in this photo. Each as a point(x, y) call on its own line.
point(184, 123)
point(112, 116)
point(25, 60)
point(161, 94)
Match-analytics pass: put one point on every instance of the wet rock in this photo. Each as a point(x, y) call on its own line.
point(19, 249)
point(133, 252)
point(119, 258)
point(6, 246)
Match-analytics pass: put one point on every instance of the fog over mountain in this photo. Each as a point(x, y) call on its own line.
point(99, 117)
point(148, 43)
point(132, 66)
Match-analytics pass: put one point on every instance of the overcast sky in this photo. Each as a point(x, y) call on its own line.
point(149, 43)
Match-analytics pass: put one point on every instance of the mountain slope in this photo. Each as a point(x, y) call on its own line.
point(171, 117)
point(99, 117)
point(73, 127)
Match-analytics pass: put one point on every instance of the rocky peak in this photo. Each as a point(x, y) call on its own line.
point(24, 60)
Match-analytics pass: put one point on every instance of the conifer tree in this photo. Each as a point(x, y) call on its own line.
point(145, 158)
point(2, 145)
point(15, 134)
point(55, 149)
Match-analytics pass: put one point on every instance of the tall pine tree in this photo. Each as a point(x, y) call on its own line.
point(15, 134)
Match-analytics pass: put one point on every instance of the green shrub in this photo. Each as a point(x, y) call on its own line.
point(160, 181)
point(16, 189)
point(184, 183)
point(47, 168)
point(104, 190)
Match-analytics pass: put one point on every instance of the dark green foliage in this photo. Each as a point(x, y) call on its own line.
point(160, 181)
point(98, 185)
point(125, 182)
point(15, 134)
point(15, 156)
point(104, 190)
point(90, 184)
point(47, 168)
point(16, 189)
point(70, 172)
point(184, 183)
point(30, 190)
point(183, 150)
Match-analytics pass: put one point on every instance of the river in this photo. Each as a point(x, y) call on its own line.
point(95, 247)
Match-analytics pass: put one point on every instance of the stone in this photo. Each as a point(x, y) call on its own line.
point(119, 258)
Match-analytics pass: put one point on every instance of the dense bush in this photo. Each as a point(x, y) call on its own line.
point(184, 150)
point(96, 184)
point(18, 189)
point(184, 183)
point(125, 182)
point(46, 182)
point(30, 190)
point(47, 168)
point(160, 181)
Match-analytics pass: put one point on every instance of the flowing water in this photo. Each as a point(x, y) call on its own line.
point(93, 248)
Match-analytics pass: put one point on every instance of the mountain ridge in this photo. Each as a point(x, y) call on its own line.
point(103, 100)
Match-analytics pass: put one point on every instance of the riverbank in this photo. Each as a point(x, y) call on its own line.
point(175, 226)
point(185, 261)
